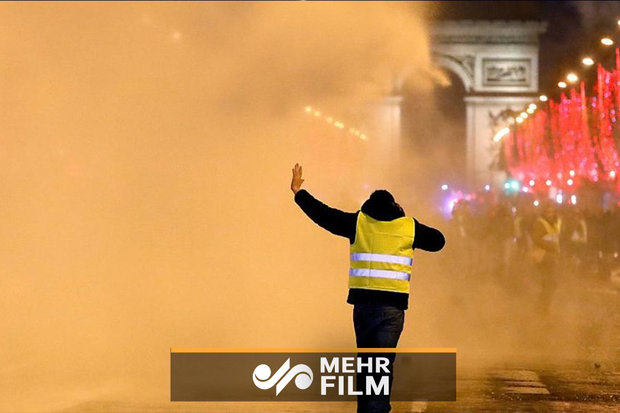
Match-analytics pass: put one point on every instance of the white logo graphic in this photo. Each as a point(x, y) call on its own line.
point(282, 377)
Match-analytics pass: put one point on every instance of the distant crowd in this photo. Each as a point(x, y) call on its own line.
point(495, 238)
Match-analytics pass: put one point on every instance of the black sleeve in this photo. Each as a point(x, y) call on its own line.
point(334, 220)
point(427, 238)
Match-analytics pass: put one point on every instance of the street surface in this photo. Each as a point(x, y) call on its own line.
point(578, 389)
point(539, 384)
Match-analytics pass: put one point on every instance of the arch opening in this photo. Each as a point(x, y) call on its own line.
point(434, 126)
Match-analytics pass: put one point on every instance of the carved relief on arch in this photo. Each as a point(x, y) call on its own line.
point(462, 66)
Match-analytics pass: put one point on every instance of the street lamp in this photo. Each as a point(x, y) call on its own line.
point(587, 61)
point(607, 41)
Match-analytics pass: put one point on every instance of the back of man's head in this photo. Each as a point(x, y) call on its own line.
point(382, 206)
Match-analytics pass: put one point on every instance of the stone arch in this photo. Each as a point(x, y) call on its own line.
point(462, 67)
point(497, 61)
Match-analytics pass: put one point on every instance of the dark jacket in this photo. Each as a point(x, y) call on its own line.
point(344, 224)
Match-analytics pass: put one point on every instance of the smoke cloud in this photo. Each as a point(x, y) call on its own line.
point(145, 170)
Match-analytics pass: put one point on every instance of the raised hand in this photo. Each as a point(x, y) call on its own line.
point(296, 181)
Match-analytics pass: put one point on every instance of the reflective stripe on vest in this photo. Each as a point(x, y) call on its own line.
point(552, 231)
point(393, 259)
point(365, 272)
point(552, 234)
point(382, 254)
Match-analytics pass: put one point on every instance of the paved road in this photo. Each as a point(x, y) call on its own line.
point(583, 388)
point(516, 385)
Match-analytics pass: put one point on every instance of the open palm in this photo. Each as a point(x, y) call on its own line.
point(296, 181)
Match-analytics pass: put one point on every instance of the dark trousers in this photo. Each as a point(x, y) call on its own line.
point(376, 326)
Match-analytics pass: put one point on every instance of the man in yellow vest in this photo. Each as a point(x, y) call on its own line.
point(546, 250)
point(382, 240)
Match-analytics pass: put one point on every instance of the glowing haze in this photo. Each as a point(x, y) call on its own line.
point(145, 165)
point(145, 161)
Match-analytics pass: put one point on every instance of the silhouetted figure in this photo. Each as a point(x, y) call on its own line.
point(546, 251)
point(382, 240)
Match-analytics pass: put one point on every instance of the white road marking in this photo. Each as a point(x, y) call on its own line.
point(521, 382)
point(525, 390)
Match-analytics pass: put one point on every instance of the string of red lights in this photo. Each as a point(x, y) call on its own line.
point(573, 140)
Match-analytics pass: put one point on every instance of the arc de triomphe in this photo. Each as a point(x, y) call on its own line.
point(497, 61)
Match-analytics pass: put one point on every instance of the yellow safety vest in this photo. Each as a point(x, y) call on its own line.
point(382, 254)
point(552, 234)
